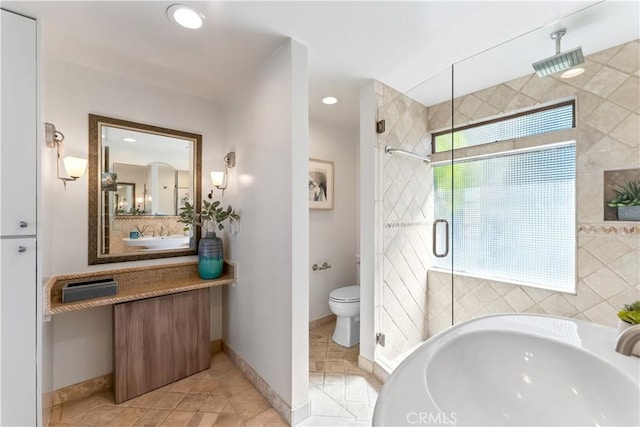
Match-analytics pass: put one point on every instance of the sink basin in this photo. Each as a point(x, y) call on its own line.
point(164, 242)
point(514, 370)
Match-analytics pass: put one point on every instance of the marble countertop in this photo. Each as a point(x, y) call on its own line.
point(136, 283)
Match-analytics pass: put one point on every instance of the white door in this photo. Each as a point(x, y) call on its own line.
point(18, 126)
point(18, 308)
point(18, 287)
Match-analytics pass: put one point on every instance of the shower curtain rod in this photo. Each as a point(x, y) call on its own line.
point(390, 150)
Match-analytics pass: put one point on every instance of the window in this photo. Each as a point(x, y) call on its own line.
point(534, 122)
point(513, 216)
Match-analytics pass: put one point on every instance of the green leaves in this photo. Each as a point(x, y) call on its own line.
point(211, 213)
point(627, 194)
point(630, 313)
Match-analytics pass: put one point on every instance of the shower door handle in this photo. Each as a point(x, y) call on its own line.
point(446, 238)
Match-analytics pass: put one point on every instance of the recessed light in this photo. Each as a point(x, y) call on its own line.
point(572, 73)
point(185, 16)
point(127, 139)
point(329, 100)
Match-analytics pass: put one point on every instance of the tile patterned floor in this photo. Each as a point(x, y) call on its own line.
point(340, 393)
point(220, 396)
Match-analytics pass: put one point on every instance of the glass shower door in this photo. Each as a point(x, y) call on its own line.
point(517, 176)
point(414, 300)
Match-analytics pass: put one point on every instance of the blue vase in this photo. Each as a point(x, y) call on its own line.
point(210, 256)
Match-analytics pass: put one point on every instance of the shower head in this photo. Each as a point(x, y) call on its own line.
point(561, 61)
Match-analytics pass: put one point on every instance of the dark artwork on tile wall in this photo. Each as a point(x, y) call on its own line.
point(612, 179)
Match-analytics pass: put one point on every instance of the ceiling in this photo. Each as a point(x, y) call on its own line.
point(398, 43)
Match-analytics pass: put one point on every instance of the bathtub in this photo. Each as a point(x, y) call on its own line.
point(514, 370)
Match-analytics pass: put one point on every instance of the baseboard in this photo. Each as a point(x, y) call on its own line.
point(216, 347)
point(373, 368)
point(47, 406)
point(292, 416)
point(82, 389)
point(322, 321)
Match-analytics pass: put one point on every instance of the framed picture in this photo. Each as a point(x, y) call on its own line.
point(320, 184)
point(109, 181)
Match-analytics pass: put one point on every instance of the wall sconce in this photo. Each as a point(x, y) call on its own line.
point(221, 179)
point(74, 166)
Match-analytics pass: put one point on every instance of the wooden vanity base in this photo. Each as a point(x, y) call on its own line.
point(160, 340)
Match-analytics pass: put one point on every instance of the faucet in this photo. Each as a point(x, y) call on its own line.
point(627, 340)
point(161, 229)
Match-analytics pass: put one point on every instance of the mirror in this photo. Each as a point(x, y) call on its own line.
point(139, 178)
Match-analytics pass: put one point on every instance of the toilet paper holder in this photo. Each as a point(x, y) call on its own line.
point(324, 266)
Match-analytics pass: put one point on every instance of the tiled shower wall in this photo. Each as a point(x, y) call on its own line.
point(607, 134)
point(405, 191)
point(608, 258)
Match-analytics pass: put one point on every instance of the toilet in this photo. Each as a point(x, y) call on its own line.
point(345, 304)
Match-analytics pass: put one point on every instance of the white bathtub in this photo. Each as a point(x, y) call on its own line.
point(514, 370)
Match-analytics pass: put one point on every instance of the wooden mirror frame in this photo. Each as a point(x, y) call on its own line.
point(95, 148)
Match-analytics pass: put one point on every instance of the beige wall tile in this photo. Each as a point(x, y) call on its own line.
point(628, 58)
point(501, 97)
point(536, 88)
point(603, 313)
point(518, 84)
point(606, 116)
point(627, 267)
point(605, 81)
point(628, 94)
point(560, 90)
point(591, 68)
point(605, 56)
point(628, 131)
point(606, 283)
point(520, 102)
point(519, 300)
point(469, 105)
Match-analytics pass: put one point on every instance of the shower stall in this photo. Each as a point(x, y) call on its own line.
point(492, 185)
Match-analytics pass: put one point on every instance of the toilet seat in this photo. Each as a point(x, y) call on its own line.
point(347, 294)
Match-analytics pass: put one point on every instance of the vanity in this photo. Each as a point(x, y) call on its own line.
point(161, 321)
point(140, 177)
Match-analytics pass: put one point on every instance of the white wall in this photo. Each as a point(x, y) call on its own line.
point(333, 234)
point(82, 341)
point(266, 314)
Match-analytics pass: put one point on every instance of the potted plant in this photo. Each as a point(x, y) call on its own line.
point(630, 314)
point(627, 317)
point(627, 201)
point(210, 251)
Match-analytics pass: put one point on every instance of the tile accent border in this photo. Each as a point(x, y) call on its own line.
point(291, 415)
point(394, 225)
point(82, 389)
point(314, 324)
point(623, 230)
